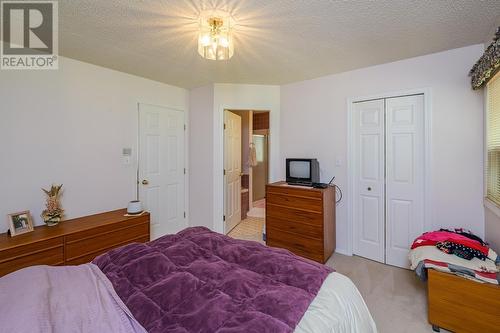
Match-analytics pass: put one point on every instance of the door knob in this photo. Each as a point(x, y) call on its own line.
point(369, 188)
point(145, 182)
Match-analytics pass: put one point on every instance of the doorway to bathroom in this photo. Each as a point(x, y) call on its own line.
point(246, 172)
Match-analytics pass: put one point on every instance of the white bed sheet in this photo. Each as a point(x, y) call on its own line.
point(338, 308)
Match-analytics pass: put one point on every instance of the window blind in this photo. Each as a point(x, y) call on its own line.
point(493, 140)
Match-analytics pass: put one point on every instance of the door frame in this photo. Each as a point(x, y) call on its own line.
point(186, 153)
point(428, 209)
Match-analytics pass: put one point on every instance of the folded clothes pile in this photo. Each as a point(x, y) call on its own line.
point(455, 251)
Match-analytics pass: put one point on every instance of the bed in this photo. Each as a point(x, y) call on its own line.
point(193, 281)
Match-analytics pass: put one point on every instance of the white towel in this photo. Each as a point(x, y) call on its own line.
point(252, 157)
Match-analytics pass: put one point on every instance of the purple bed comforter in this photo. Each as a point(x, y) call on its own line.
point(201, 281)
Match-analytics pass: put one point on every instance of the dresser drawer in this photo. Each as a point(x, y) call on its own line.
point(309, 204)
point(307, 244)
point(318, 257)
point(89, 257)
point(313, 256)
point(295, 215)
point(96, 243)
point(295, 191)
point(107, 228)
point(49, 256)
point(31, 248)
point(287, 225)
point(300, 251)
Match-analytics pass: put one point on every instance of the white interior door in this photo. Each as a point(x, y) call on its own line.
point(232, 170)
point(161, 167)
point(369, 201)
point(404, 176)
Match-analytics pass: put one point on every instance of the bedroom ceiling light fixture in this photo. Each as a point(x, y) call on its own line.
point(215, 40)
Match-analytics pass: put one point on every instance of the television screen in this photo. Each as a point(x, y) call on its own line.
point(300, 169)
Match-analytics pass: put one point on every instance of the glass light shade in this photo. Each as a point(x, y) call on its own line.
point(215, 40)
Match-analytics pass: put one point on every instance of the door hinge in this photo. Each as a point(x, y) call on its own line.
point(184, 214)
point(185, 126)
point(184, 170)
point(224, 172)
point(224, 218)
point(224, 126)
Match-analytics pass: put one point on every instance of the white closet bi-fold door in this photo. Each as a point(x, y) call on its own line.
point(388, 207)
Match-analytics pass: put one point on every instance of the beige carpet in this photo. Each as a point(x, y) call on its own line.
point(395, 296)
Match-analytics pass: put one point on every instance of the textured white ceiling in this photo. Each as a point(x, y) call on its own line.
point(276, 41)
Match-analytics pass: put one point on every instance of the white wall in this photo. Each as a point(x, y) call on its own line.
point(314, 123)
point(201, 202)
point(210, 164)
point(69, 126)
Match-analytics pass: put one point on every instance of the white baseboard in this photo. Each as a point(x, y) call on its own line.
point(344, 252)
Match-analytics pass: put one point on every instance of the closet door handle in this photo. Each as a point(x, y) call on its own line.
point(369, 188)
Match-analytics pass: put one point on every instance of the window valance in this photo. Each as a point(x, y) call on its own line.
point(489, 63)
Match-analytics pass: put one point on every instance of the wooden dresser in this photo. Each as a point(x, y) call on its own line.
point(463, 306)
point(72, 242)
point(301, 219)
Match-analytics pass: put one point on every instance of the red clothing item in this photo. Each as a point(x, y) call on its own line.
point(432, 238)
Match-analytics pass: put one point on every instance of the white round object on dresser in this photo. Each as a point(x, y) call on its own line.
point(134, 207)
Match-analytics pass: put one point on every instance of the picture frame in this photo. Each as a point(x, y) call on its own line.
point(20, 223)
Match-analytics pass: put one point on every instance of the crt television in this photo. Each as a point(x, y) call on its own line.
point(302, 171)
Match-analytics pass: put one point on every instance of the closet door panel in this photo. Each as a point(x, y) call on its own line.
point(404, 176)
point(369, 180)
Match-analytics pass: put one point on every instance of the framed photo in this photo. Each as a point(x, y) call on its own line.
point(20, 223)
